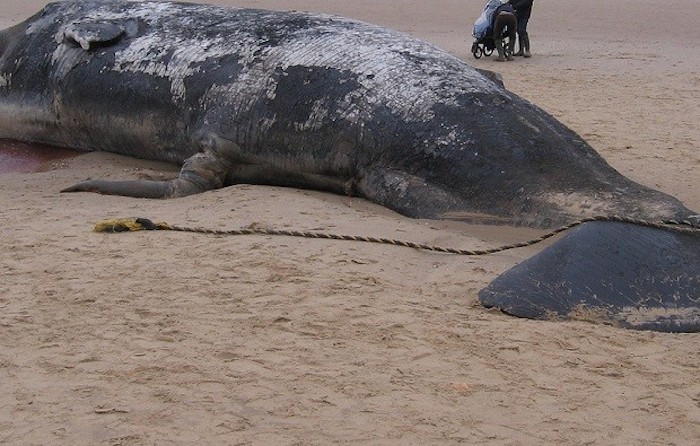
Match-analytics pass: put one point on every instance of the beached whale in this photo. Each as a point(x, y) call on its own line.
point(303, 100)
point(306, 100)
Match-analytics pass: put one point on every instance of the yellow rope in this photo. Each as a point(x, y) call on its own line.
point(130, 224)
point(139, 224)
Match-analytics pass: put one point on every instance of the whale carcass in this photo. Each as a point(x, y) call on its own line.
point(303, 100)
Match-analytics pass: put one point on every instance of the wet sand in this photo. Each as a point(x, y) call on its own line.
point(25, 158)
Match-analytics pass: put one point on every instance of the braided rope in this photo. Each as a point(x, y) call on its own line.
point(136, 224)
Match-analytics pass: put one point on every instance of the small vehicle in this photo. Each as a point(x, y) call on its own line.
point(484, 44)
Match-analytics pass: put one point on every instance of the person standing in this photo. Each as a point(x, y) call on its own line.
point(523, 9)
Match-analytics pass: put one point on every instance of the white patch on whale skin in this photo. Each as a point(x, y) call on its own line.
point(315, 120)
point(396, 71)
point(641, 316)
point(529, 124)
point(446, 139)
point(381, 68)
point(405, 84)
point(172, 57)
point(147, 55)
point(586, 205)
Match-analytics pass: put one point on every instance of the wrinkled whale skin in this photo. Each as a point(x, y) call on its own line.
point(299, 99)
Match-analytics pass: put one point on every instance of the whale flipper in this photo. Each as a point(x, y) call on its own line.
point(615, 273)
point(206, 170)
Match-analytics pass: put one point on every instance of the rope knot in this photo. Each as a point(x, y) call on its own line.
point(130, 224)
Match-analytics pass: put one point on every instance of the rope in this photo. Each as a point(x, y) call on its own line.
point(138, 224)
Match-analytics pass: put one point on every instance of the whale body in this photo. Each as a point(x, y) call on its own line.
point(304, 100)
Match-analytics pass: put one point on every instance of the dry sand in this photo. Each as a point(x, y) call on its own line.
point(176, 338)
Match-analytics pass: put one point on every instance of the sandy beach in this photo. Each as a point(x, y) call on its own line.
point(157, 338)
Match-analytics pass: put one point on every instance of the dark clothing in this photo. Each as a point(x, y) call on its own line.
point(504, 25)
point(523, 8)
point(507, 7)
point(504, 17)
point(522, 25)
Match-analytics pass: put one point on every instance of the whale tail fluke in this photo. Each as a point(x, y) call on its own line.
point(615, 273)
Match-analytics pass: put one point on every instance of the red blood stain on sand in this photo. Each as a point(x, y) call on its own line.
point(25, 158)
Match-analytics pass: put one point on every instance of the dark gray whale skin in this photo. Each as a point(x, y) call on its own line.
point(303, 100)
point(619, 274)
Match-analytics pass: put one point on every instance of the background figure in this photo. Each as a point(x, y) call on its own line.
point(523, 8)
point(504, 23)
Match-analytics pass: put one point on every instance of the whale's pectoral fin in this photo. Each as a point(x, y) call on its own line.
point(207, 170)
point(135, 188)
point(94, 34)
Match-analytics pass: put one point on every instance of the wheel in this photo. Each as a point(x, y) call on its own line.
point(488, 51)
point(476, 51)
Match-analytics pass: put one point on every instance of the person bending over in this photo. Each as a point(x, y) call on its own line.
point(504, 24)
